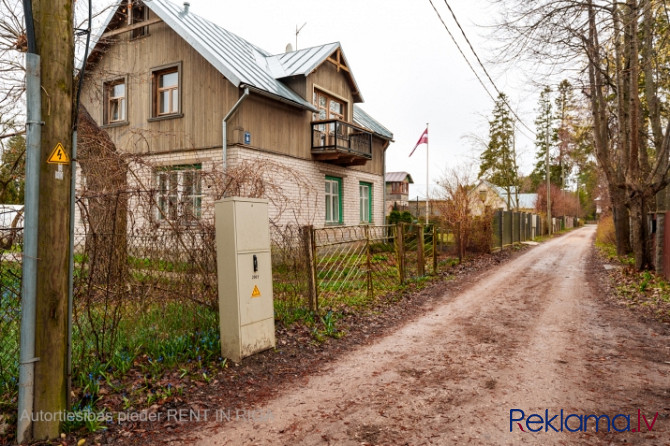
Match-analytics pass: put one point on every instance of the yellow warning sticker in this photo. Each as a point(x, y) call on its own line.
point(58, 156)
point(256, 292)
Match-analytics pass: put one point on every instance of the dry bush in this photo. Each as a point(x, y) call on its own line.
point(605, 232)
point(480, 238)
point(131, 256)
point(563, 203)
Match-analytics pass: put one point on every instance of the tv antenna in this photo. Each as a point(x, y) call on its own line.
point(297, 31)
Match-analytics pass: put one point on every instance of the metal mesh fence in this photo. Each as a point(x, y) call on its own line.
point(289, 266)
point(354, 264)
point(10, 314)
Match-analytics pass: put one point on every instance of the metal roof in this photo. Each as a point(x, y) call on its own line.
point(245, 64)
point(300, 62)
point(238, 60)
point(241, 62)
point(303, 62)
point(364, 120)
point(393, 177)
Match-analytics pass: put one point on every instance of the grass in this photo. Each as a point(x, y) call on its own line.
point(157, 341)
point(638, 289)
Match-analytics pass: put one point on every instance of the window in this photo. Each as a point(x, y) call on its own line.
point(179, 193)
point(166, 91)
point(399, 188)
point(365, 193)
point(139, 13)
point(329, 108)
point(115, 101)
point(333, 200)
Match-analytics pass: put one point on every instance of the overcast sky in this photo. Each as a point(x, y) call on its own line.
point(408, 69)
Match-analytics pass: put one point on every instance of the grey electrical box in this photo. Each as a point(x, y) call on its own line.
point(244, 270)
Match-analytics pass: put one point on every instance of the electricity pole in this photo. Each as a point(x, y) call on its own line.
point(54, 31)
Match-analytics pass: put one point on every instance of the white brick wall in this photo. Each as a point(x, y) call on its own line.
point(295, 187)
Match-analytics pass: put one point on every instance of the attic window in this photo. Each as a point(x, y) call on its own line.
point(139, 13)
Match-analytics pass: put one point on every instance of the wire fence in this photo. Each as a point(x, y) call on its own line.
point(10, 315)
point(148, 290)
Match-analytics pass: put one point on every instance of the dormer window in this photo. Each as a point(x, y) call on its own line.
point(329, 107)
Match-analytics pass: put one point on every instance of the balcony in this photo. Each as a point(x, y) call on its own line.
point(341, 143)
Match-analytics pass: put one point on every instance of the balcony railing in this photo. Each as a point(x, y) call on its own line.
point(341, 143)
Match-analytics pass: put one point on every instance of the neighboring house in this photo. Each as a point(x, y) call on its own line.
point(418, 208)
point(487, 196)
point(191, 98)
point(397, 191)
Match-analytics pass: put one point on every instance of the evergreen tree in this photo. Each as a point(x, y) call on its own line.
point(498, 162)
point(546, 136)
point(564, 133)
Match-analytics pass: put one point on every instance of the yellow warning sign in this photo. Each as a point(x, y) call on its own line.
point(256, 292)
point(58, 156)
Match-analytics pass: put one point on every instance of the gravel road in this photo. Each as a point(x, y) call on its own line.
point(532, 336)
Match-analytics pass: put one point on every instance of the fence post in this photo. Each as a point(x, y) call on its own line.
point(369, 261)
point(400, 251)
point(310, 260)
point(434, 249)
point(420, 239)
point(500, 226)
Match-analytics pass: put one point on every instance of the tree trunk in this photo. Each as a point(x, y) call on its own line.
point(639, 233)
point(621, 218)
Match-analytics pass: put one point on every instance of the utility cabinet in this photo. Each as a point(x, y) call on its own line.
point(244, 270)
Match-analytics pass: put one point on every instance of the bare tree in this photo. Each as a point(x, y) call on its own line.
point(613, 42)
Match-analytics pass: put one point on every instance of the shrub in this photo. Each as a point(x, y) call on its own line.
point(480, 238)
point(605, 233)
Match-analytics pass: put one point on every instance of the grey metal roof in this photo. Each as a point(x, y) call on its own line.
point(527, 201)
point(301, 62)
point(364, 120)
point(243, 63)
point(393, 177)
point(238, 60)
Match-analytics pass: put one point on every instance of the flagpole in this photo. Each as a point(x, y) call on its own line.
point(427, 179)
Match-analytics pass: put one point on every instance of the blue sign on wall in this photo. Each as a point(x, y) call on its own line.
point(247, 138)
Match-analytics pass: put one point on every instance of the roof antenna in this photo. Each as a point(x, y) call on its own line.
point(297, 31)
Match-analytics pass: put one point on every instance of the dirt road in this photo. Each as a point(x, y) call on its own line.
point(531, 336)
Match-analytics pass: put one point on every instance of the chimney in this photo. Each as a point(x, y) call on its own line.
point(289, 48)
point(186, 5)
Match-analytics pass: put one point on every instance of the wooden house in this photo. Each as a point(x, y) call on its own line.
point(190, 97)
point(397, 191)
point(486, 196)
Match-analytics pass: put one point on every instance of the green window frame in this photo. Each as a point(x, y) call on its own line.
point(333, 193)
point(365, 200)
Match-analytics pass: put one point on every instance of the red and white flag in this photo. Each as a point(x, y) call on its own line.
point(422, 140)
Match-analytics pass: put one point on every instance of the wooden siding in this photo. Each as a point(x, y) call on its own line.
point(206, 97)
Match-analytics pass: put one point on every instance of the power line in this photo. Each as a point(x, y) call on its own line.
point(480, 64)
point(462, 54)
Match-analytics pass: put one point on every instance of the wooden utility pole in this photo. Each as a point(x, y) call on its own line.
point(55, 42)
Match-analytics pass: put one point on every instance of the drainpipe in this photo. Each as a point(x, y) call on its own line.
point(224, 125)
point(384, 183)
point(29, 286)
